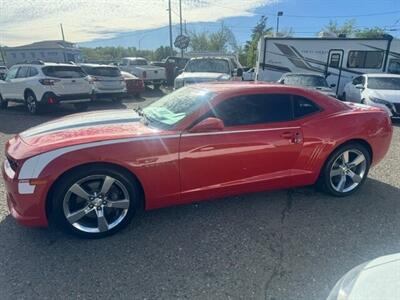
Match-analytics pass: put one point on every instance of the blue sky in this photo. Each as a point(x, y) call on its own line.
point(128, 22)
point(305, 17)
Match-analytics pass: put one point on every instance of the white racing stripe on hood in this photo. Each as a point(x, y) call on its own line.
point(83, 120)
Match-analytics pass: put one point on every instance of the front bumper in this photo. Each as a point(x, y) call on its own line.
point(27, 209)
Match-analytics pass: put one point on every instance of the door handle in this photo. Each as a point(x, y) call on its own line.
point(294, 137)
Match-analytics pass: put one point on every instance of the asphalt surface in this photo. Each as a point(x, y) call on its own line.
point(289, 244)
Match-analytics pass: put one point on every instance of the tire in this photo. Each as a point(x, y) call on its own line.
point(122, 186)
point(31, 104)
point(81, 106)
point(338, 177)
point(3, 103)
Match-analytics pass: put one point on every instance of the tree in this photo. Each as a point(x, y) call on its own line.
point(249, 57)
point(374, 32)
point(347, 29)
point(222, 40)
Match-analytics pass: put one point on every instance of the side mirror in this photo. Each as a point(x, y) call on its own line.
point(359, 86)
point(239, 72)
point(207, 125)
point(333, 85)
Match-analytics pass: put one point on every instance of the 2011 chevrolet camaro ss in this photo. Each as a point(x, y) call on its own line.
point(89, 173)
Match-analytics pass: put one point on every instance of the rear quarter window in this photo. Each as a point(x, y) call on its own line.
point(64, 72)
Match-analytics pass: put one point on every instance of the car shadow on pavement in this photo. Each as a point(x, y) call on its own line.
point(290, 244)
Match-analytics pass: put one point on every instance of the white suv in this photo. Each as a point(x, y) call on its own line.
point(39, 84)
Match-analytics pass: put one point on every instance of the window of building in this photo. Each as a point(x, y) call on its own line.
point(23, 55)
point(33, 54)
point(365, 59)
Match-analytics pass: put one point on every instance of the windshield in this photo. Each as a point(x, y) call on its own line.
point(172, 108)
point(102, 71)
point(208, 65)
point(384, 83)
point(305, 80)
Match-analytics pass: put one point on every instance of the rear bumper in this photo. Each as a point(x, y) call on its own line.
point(108, 95)
point(28, 209)
point(154, 81)
point(51, 98)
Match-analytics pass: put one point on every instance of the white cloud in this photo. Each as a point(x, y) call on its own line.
point(24, 21)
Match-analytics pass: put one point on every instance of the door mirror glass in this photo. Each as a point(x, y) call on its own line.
point(207, 125)
point(359, 86)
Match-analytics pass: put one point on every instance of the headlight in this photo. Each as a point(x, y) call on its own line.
point(380, 101)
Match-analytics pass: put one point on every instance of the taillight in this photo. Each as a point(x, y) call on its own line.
point(48, 81)
point(144, 74)
point(12, 162)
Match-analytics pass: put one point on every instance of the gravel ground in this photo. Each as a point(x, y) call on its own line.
point(290, 244)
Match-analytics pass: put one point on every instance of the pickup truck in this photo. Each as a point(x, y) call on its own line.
point(141, 68)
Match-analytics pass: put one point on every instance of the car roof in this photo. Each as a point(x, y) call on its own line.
point(98, 65)
point(383, 75)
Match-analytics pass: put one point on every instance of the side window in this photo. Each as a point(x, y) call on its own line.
point(365, 59)
point(12, 73)
point(255, 109)
point(33, 72)
point(303, 107)
point(23, 72)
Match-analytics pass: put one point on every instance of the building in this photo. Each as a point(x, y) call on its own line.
point(49, 51)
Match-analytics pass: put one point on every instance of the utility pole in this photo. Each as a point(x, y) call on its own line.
point(170, 28)
point(62, 32)
point(279, 14)
point(180, 20)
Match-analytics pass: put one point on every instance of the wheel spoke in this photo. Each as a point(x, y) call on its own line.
point(101, 220)
point(78, 190)
point(118, 204)
point(108, 182)
point(341, 183)
point(355, 177)
point(79, 214)
point(336, 172)
point(345, 157)
point(358, 160)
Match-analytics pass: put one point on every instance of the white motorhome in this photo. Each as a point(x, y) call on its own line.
point(339, 59)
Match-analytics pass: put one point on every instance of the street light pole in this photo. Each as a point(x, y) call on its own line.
point(180, 19)
point(170, 28)
point(279, 14)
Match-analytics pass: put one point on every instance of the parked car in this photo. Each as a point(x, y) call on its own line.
point(134, 85)
point(249, 75)
point(3, 71)
point(141, 68)
point(375, 279)
point(173, 66)
point(107, 81)
point(46, 84)
point(309, 80)
point(89, 173)
point(206, 69)
point(381, 90)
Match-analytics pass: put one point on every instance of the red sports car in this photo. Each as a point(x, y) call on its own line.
point(90, 172)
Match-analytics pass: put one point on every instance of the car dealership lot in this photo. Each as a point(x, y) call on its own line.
point(291, 244)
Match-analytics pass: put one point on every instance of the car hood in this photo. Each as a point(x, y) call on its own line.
point(204, 76)
point(86, 128)
point(388, 95)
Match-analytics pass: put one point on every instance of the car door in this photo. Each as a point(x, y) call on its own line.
point(255, 151)
point(19, 83)
point(8, 90)
point(354, 93)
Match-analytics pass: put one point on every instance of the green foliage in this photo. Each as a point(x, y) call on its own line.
point(112, 54)
point(222, 40)
point(349, 29)
point(249, 55)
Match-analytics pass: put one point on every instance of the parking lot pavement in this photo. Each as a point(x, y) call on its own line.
point(290, 244)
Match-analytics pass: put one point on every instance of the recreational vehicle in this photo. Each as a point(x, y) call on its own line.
point(338, 59)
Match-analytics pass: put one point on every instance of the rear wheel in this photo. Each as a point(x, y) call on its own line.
point(345, 170)
point(31, 104)
point(3, 103)
point(95, 201)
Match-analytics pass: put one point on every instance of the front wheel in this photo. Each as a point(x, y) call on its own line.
point(94, 202)
point(345, 170)
point(31, 104)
